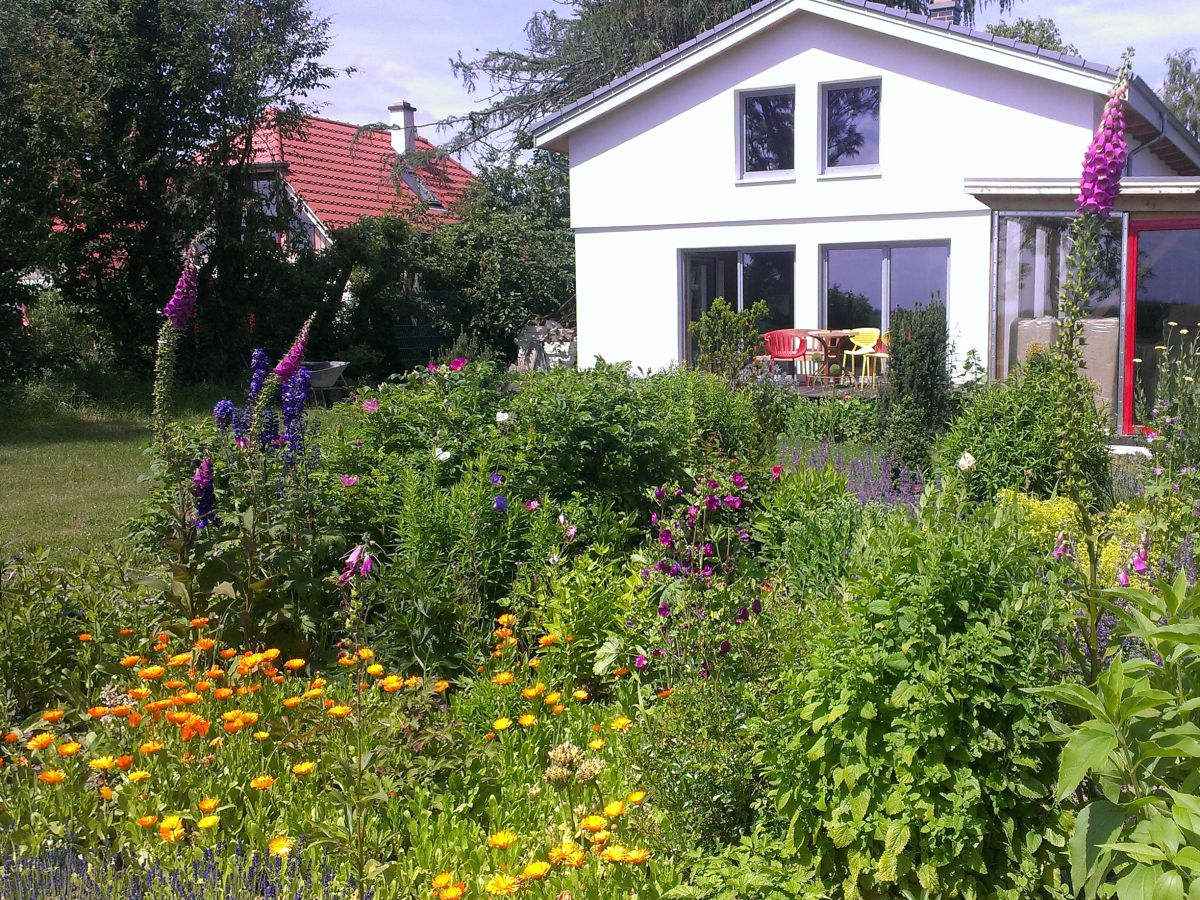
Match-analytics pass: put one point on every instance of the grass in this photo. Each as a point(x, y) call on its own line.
point(69, 471)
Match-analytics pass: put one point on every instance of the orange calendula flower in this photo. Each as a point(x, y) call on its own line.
point(528, 720)
point(174, 684)
point(51, 776)
point(228, 653)
point(150, 673)
point(536, 870)
point(140, 693)
point(134, 720)
point(637, 798)
point(222, 693)
point(125, 632)
point(130, 661)
point(199, 621)
point(535, 662)
point(502, 840)
point(303, 768)
point(120, 712)
point(392, 683)
point(665, 693)
point(548, 640)
point(98, 712)
point(347, 660)
point(139, 775)
point(280, 846)
point(593, 823)
point(567, 853)
point(85, 637)
point(455, 891)
point(534, 691)
point(441, 686)
point(124, 763)
point(507, 619)
point(262, 783)
point(502, 724)
point(40, 741)
point(208, 804)
point(600, 837)
point(203, 687)
point(151, 746)
point(171, 829)
point(502, 678)
point(70, 748)
point(501, 885)
point(53, 715)
point(552, 698)
point(637, 857)
point(614, 854)
point(558, 709)
point(12, 737)
point(293, 665)
point(621, 672)
point(208, 822)
point(313, 692)
point(442, 880)
point(180, 659)
point(340, 712)
point(204, 643)
point(366, 653)
point(291, 702)
point(148, 821)
point(621, 723)
point(615, 810)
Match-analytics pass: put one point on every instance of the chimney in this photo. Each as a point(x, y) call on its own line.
point(404, 126)
point(946, 11)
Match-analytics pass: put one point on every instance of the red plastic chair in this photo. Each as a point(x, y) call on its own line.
point(785, 345)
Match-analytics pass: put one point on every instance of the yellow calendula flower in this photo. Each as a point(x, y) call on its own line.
point(208, 804)
point(507, 620)
point(340, 712)
point(536, 870)
point(502, 885)
point(366, 653)
point(392, 683)
point(568, 853)
point(528, 720)
point(580, 695)
point(303, 768)
point(208, 822)
point(621, 723)
point(455, 891)
point(151, 673)
point(503, 678)
point(615, 809)
point(102, 763)
point(600, 837)
point(502, 724)
point(171, 829)
point(151, 747)
point(443, 880)
point(637, 798)
point(262, 782)
point(291, 702)
point(593, 823)
point(313, 693)
point(280, 846)
point(502, 840)
point(138, 775)
point(70, 748)
point(375, 670)
point(552, 698)
point(40, 741)
point(615, 854)
point(637, 857)
point(596, 744)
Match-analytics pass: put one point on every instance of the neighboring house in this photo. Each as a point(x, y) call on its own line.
point(842, 160)
point(334, 173)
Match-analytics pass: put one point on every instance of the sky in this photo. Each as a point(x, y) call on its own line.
point(401, 49)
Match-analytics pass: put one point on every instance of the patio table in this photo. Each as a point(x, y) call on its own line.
point(831, 341)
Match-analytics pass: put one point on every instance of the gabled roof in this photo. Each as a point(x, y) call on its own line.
point(551, 131)
point(341, 179)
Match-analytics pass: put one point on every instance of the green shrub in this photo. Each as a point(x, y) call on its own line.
point(905, 756)
point(837, 419)
point(1010, 432)
point(917, 404)
point(1174, 417)
point(726, 340)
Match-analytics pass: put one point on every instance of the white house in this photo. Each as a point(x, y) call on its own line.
point(842, 159)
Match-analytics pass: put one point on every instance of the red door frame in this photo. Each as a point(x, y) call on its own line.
point(1136, 227)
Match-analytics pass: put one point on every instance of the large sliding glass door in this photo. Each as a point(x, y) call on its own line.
point(1164, 296)
point(741, 278)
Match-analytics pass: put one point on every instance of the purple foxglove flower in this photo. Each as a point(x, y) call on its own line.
point(1139, 563)
point(641, 662)
point(204, 495)
point(500, 504)
point(1105, 157)
point(370, 404)
point(290, 364)
point(348, 480)
point(1123, 578)
point(182, 306)
point(358, 562)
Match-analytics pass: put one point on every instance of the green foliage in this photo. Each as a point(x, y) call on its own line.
point(1015, 440)
point(1181, 88)
point(917, 404)
point(1042, 32)
point(847, 419)
point(1175, 417)
point(727, 340)
point(903, 756)
point(1130, 757)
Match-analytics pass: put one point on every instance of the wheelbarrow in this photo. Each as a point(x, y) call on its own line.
point(327, 380)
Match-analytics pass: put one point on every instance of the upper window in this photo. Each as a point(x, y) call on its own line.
point(769, 131)
point(851, 125)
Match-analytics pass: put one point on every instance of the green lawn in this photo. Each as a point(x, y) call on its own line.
point(69, 479)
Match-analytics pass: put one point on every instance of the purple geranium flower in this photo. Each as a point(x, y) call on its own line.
point(497, 478)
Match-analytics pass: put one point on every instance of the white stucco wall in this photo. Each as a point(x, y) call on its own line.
point(659, 175)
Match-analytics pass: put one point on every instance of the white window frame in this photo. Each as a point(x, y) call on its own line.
point(885, 274)
point(767, 175)
point(865, 170)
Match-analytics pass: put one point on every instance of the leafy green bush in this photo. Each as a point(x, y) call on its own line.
point(726, 340)
point(917, 404)
point(905, 756)
point(1131, 763)
point(1174, 419)
point(1008, 430)
point(838, 419)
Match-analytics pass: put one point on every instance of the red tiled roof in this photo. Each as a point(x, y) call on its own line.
point(342, 179)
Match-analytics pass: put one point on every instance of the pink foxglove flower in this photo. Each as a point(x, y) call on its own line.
point(358, 563)
point(1122, 578)
point(290, 364)
point(1105, 158)
point(182, 306)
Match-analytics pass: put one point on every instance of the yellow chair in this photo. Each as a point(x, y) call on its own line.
point(884, 355)
point(864, 341)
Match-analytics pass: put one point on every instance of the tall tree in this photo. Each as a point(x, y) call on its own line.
point(1040, 32)
point(569, 56)
point(129, 124)
point(1181, 88)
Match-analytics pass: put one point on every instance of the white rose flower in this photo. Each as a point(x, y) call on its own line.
point(966, 462)
point(441, 455)
point(502, 417)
